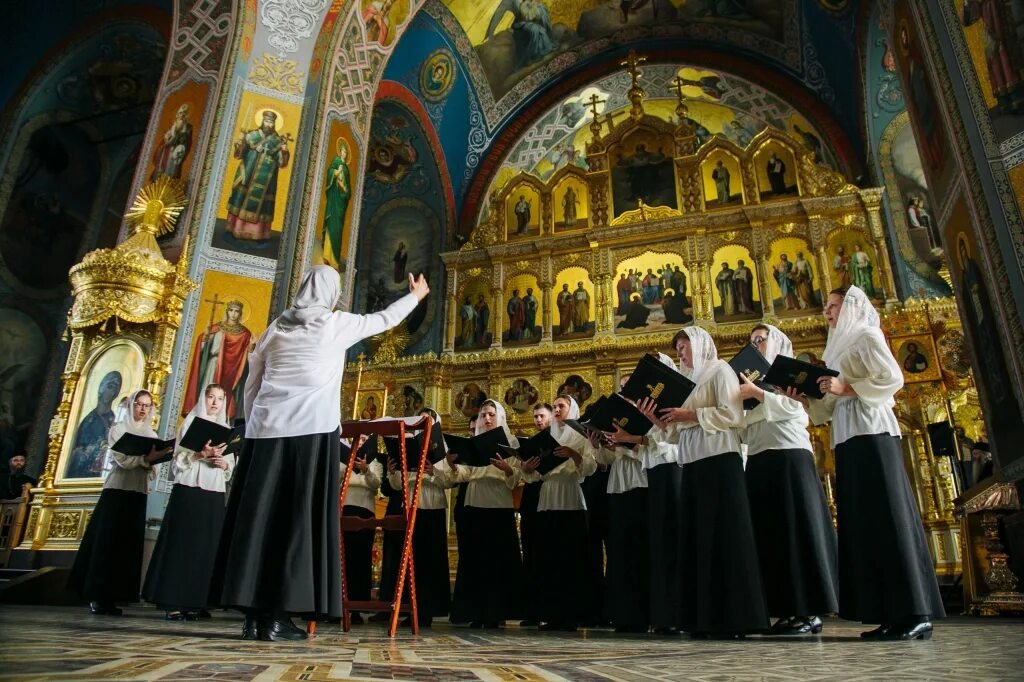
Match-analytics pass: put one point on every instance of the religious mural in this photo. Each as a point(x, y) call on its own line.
point(574, 304)
point(382, 18)
point(52, 204)
point(643, 170)
point(992, 30)
point(912, 197)
point(23, 355)
point(335, 206)
point(437, 75)
point(524, 314)
point(576, 386)
point(795, 280)
point(474, 323)
point(723, 180)
point(570, 201)
point(652, 292)
point(469, 399)
point(231, 315)
point(523, 211)
point(513, 38)
point(109, 376)
point(853, 263)
point(916, 357)
point(521, 396)
point(172, 154)
point(410, 400)
point(735, 293)
point(251, 214)
point(775, 170)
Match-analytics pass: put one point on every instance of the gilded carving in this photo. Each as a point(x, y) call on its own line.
point(64, 524)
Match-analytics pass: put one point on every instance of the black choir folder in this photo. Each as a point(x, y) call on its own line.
point(413, 448)
point(614, 410)
point(369, 450)
point(139, 446)
point(663, 384)
point(750, 363)
point(541, 445)
point(201, 431)
point(803, 376)
point(479, 450)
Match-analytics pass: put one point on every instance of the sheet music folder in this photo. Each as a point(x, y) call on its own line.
point(139, 446)
point(803, 376)
point(477, 451)
point(202, 430)
point(750, 363)
point(651, 379)
point(540, 445)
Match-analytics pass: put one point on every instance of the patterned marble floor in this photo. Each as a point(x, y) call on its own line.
point(69, 644)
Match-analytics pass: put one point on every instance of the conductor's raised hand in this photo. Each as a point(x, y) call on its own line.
point(419, 286)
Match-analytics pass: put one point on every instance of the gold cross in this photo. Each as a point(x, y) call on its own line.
point(631, 63)
point(593, 102)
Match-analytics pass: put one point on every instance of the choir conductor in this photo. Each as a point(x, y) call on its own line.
point(279, 551)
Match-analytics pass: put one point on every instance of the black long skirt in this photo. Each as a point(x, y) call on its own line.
point(186, 550)
point(595, 492)
point(629, 584)
point(664, 489)
point(430, 553)
point(885, 571)
point(528, 533)
point(562, 598)
point(359, 558)
point(108, 565)
point(721, 582)
point(796, 541)
point(391, 542)
point(489, 577)
point(279, 548)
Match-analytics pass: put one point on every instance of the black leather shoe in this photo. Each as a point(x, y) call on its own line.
point(802, 626)
point(781, 627)
point(279, 629)
point(249, 628)
point(878, 633)
point(174, 615)
point(909, 632)
point(204, 614)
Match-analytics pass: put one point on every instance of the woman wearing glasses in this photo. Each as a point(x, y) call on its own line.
point(796, 543)
point(108, 565)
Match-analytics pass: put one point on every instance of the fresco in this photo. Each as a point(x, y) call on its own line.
point(382, 17)
point(437, 75)
point(524, 313)
point(521, 396)
point(514, 38)
point(795, 280)
point(652, 292)
point(401, 237)
point(252, 203)
point(51, 206)
point(172, 154)
point(232, 313)
point(775, 169)
point(723, 180)
point(336, 202)
point(734, 288)
point(23, 355)
point(573, 299)
point(992, 33)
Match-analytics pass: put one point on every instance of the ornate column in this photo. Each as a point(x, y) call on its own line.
point(824, 273)
point(498, 315)
point(548, 316)
point(872, 199)
point(450, 316)
point(763, 268)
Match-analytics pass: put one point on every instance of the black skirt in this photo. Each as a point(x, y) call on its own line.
point(528, 532)
point(595, 492)
point(796, 541)
point(186, 550)
point(561, 597)
point(885, 571)
point(279, 547)
point(430, 554)
point(489, 577)
point(392, 540)
point(629, 584)
point(108, 565)
point(359, 558)
point(721, 583)
point(664, 488)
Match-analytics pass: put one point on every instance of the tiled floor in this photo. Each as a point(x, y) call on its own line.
point(69, 644)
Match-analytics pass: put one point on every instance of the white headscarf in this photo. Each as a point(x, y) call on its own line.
point(702, 353)
point(777, 344)
point(125, 423)
point(199, 410)
point(559, 431)
point(857, 318)
point(502, 423)
point(318, 294)
point(668, 361)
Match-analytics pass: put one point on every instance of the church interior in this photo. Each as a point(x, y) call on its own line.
point(577, 180)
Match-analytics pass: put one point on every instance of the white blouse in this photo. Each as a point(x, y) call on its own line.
point(625, 468)
point(127, 472)
point(432, 494)
point(656, 453)
point(199, 473)
point(560, 490)
point(362, 488)
point(294, 379)
point(777, 423)
point(869, 367)
point(489, 487)
point(719, 417)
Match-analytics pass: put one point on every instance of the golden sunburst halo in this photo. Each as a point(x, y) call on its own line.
point(157, 206)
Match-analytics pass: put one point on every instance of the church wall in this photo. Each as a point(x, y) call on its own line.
point(70, 143)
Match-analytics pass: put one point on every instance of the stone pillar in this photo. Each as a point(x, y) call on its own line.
point(548, 315)
point(764, 269)
point(498, 315)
